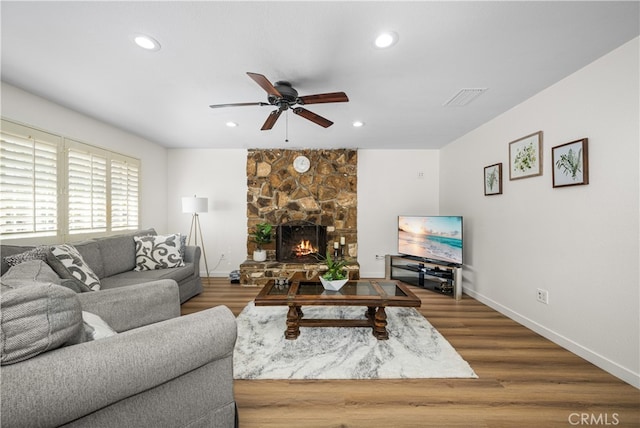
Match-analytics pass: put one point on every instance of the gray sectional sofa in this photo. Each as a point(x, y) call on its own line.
point(160, 370)
point(113, 260)
point(121, 356)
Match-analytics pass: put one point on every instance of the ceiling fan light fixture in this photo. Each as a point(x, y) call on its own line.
point(386, 39)
point(284, 97)
point(146, 42)
point(358, 124)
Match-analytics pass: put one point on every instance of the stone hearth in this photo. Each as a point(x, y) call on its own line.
point(257, 274)
point(325, 195)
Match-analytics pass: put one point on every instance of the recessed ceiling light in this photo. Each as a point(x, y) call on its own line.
point(358, 124)
point(386, 39)
point(146, 42)
point(231, 124)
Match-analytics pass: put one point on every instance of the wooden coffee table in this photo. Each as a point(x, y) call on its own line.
point(376, 295)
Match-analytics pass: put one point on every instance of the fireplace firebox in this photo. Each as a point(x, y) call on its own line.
point(300, 242)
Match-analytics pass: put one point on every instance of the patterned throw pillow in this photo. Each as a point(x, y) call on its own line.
point(183, 245)
point(69, 264)
point(37, 253)
point(158, 252)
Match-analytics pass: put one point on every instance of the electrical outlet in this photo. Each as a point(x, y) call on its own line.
point(420, 175)
point(542, 296)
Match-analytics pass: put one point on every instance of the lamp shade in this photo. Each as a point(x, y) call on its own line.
point(195, 205)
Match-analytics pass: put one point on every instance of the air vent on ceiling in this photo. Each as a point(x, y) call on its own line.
point(464, 97)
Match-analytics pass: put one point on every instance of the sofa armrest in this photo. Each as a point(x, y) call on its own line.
point(134, 306)
point(71, 382)
point(192, 254)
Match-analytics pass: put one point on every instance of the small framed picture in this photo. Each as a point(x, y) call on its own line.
point(493, 179)
point(525, 156)
point(570, 163)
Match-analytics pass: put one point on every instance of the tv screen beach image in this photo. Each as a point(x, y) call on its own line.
point(431, 237)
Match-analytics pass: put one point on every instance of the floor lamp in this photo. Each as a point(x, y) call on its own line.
point(194, 205)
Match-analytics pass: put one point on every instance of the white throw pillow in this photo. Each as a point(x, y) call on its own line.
point(158, 252)
point(99, 329)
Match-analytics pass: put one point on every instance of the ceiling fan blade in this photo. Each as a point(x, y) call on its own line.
point(331, 97)
point(239, 105)
point(264, 84)
point(271, 120)
point(325, 123)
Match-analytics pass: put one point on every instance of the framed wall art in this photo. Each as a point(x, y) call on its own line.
point(525, 156)
point(570, 163)
point(493, 179)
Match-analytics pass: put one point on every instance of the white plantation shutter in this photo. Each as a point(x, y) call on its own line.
point(124, 193)
point(28, 181)
point(53, 186)
point(86, 189)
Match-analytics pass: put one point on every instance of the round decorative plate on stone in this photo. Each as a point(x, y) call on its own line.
point(301, 164)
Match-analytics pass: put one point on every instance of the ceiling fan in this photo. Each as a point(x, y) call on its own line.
point(284, 96)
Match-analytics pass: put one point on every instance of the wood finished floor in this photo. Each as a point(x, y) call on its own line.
point(524, 380)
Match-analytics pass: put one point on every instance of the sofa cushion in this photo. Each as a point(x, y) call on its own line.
point(118, 254)
point(30, 272)
point(33, 271)
point(158, 252)
point(136, 277)
point(69, 264)
point(36, 318)
point(36, 253)
point(92, 255)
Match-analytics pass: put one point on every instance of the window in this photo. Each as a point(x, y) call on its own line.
point(86, 189)
point(54, 186)
point(124, 193)
point(28, 181)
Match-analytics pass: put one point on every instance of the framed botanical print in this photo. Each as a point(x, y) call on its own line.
point(570, 163)
point(525, 156)
point(493, 179)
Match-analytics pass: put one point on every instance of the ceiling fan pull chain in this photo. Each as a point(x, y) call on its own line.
point(286, 135)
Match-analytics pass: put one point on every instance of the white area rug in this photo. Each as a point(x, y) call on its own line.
point(415, 349)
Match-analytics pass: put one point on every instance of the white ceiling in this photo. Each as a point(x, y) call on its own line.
point(80, 55)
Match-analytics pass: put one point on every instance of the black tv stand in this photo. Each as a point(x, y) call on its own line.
point(445, 278)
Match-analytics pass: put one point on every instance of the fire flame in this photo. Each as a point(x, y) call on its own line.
point(304, 248)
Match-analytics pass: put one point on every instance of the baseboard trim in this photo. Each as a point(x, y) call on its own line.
point(598, 360)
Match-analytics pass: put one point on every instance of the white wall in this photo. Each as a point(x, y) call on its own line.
point(29, 109)
point(221, 176)
point(579, 243)
point(389, 185)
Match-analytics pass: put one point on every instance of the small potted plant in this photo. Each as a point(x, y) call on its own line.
point(335, 277)
point(261, 235)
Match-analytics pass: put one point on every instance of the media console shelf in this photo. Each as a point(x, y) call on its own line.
point(446, 279)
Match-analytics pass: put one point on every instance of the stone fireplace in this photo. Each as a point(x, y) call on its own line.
point(324, 196)
point(300, 242)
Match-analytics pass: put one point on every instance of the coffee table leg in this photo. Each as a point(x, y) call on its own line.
point(380, 324)
point(293, 323)
point(370, 313)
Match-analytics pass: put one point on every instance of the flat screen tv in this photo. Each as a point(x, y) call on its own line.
point(433, 238)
